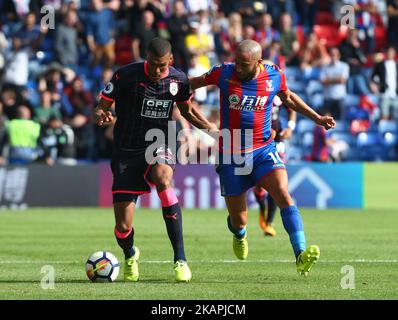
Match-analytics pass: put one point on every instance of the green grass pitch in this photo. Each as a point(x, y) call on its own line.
point(64, 238)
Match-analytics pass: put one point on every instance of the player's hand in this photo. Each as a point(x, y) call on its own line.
point(286, 134)
point(102, 117)
point(214, 132)
point(327, 122)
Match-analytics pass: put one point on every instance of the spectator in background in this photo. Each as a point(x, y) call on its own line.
point(392, 12)
point(17, 66)
point(246, 10)
point(30, 33)
point(58, 142)
point(52, 80)
point(289, 45)
point(385, 75)
point(204, 22)
point(365, 11)
point(352, 54)
point(66, 39)
point(334, 78)
point(307, 10)
point(265, 33)
point(194, 6)
point(178, 27)
point(274, 54)
point(46, 110)
point(3, 137)
point(200, 44)
point(314, 56)
point(3, 46)
point(10, 100)
point(249, 33)
point(23, 138)
point(136, 11)
point(79, 118)
point(143, 35)
point(196, 70)
point(100, 28)
point(230, 38)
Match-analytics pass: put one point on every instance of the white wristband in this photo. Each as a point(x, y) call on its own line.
point(292, 124)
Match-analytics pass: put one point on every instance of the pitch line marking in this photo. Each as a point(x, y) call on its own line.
point(207, 261)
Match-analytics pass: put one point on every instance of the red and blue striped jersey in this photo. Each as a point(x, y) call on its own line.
point(246, 105)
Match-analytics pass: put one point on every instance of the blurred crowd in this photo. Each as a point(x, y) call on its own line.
point(50, 77)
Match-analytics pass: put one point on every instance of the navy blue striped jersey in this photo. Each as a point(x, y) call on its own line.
point(141, 104)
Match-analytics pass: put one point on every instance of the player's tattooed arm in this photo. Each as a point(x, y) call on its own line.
point(293, 101)
point(102, 114)
point(194, 116)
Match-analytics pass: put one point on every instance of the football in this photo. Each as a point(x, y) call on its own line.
point(102, 266)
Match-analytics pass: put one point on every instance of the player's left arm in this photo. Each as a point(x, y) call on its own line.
point(194, 116)
point(293, 101)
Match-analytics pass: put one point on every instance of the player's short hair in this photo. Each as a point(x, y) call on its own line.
point(159, 47)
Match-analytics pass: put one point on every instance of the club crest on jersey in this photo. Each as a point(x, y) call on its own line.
point(270, 85)
point(233, 99)
point(173, 88)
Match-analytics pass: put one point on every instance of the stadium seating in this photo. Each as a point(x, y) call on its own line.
point(305, 126)
point(388, 126)
point(342, 126)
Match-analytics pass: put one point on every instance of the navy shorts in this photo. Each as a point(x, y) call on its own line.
point(131, 169)
point(237, 177)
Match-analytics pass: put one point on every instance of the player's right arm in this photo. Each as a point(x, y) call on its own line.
point(102, 114)
point(198, 82)
point(209, 78)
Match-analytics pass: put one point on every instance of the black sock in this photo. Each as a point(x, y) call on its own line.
point(261, 201)
point(126, 243)
point(173, 219)
point(271, 208)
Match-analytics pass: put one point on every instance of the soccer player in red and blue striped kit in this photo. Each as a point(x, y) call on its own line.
point(247, 89)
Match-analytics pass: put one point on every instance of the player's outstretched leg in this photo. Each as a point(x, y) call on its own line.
point(271, 210)
point(124, 233)
point(277, 184)
point(259, 193)
point(236, 222)
point(161, 175)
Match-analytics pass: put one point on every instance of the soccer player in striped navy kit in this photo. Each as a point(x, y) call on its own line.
point(247, 89)
point(144, 94)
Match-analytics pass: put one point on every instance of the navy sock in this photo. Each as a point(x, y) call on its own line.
point(239, 233)
point(260, 200)
point(173, 219)
point(126, 243)
point(271, 208)
point(294, 227)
